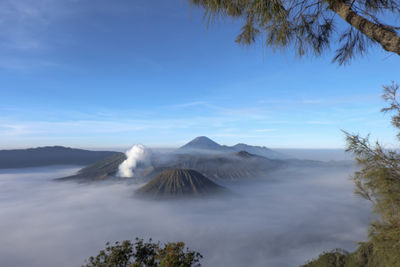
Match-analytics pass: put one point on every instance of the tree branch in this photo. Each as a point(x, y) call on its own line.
point(387, 38)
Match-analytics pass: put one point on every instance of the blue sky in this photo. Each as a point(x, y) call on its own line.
point(87, 73)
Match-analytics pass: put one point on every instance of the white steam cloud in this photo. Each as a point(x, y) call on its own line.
point(138, 153)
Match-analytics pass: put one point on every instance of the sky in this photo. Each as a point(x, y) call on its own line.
point(107, 74)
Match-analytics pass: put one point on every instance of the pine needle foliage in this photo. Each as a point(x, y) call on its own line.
point(310, 26)
point(378, 181)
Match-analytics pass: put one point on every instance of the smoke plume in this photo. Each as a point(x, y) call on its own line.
point(138, 153)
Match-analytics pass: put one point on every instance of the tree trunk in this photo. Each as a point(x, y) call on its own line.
point(388, 39)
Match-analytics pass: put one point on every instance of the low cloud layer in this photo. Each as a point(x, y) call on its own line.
point(284, 221)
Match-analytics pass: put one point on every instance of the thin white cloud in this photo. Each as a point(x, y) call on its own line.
point(321, 122)
point(240, 136)
point(253, 112)
point(265, 130)
point(14, 130)
point(331, 101)
point(312, 101)
point(192, 104)
point(21, 20)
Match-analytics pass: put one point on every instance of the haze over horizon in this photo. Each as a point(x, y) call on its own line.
point(90, 74)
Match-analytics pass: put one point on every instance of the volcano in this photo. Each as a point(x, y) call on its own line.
point(174, 183)
point(202, 144)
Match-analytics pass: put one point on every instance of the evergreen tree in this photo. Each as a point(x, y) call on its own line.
point(309, 26)
point(379, 182)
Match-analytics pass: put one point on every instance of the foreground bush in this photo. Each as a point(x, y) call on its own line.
point(146, 254)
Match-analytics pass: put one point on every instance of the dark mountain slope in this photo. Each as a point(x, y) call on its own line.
point(175, 183)
point(52, 155)
point(259, 150)
point(223, 167)
point(227, 167)
point(103, 169)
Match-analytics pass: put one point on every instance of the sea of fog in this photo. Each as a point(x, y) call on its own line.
point(283, 221)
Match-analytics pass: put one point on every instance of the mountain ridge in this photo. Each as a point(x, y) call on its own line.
point(49, 155)
point(202, 144)
point(221, 168)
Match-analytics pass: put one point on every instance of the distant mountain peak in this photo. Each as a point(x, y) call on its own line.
point(203, 139)
point(203, 143)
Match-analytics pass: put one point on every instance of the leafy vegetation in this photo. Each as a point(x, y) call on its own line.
point(379, 182)
point(149, 254)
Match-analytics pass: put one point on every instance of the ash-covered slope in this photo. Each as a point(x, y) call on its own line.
point(227, 167)
point(103, 169)
point(222, 167)
point(218, 167)
point(179, 183)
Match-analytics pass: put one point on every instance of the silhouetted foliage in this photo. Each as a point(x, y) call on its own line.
point(335, 258)
point(145, 254)
point(310, 26)
point(379, 182)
